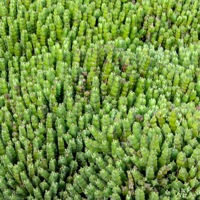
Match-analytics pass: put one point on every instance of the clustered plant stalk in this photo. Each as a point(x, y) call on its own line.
point(99, 99)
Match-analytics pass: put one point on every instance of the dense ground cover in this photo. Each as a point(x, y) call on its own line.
point(99, 99)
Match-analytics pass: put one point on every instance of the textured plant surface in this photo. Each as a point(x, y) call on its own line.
point(99, 99)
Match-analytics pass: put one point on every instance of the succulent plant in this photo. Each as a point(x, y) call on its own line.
point(99, 99)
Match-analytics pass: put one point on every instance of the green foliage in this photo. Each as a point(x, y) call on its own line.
point(99, 99)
